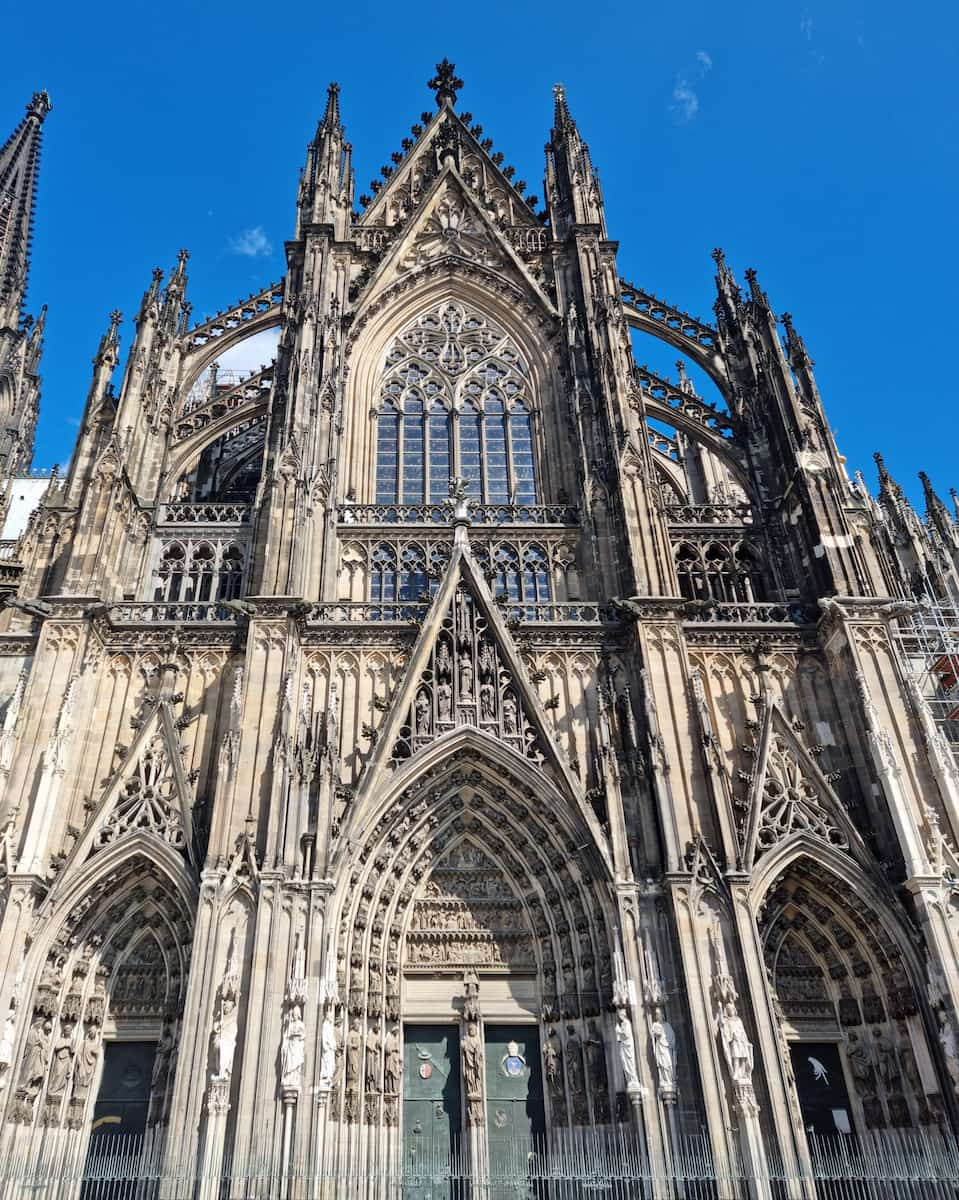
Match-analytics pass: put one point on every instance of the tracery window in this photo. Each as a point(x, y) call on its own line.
point(455, 400)
point(405, 579)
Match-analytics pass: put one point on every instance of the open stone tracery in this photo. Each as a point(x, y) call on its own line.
point(454, 743)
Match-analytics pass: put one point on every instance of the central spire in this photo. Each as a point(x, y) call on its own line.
point(445, 83)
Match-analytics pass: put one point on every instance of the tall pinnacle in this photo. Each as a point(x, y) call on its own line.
point(19, 163)
point(445, 83)
point(331, 115)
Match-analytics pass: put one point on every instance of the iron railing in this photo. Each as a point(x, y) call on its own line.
point(609, 1163)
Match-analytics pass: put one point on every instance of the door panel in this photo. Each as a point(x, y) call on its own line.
point(514, 1105)
point(431, 1109)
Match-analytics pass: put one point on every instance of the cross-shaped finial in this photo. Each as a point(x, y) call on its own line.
point(445, 83)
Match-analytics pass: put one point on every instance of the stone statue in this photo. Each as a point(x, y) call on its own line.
point(574, 1062)
point(473, 1061)
point(61, 1063)
point(466, 677)
point(393, 1068)
point(372, 1071)
point(551, 1061)
point(444, 701)
point(471, 987)
point(509, 714)
point(293, 1049)
point(225, 1032)
point(459, 500)
point(354, 1046)
point(422, 713)
point(444, 663)
point(36, 1055)
point(736, 1045)
point(663, 1038)
point(487, 707)
point(627, 1049)
point(327, 1053)
point(947, 1039)
point(86, 1066)
point(860, 1065)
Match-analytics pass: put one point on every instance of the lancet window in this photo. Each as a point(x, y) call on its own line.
point(455, 400)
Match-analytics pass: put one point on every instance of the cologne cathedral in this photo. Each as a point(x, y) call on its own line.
point(455, 740)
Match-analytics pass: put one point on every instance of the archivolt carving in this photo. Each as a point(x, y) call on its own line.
point(476, 867)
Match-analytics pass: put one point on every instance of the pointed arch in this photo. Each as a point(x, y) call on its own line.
point(528, 324)
point(559, 893)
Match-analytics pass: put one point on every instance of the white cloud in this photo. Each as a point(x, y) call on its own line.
point(251, 243)
point(685, 103)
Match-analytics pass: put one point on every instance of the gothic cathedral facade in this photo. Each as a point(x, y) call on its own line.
point(454, 732)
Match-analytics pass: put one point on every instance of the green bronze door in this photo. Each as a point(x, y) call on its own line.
point(431, 1109)
point(515, 1120)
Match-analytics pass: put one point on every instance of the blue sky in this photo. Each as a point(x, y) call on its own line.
point(815, 141)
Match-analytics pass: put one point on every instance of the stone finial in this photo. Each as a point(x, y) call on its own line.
point(445, 83)
point(39, 105)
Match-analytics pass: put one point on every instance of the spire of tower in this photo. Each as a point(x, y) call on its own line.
point(572, 184)
point(331, 114)
point(936, 512)
point(888, 488)
point(19, 164)
point(326, 183)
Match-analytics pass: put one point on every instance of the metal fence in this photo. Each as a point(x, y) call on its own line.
point(601, 1164)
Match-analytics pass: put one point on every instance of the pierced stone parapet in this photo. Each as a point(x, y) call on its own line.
point(438, 514)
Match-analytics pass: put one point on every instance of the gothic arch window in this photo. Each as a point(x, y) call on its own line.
point(454, 401)
point(206, 570)
point(170, 573)
point(716, 571)
point(405, 579)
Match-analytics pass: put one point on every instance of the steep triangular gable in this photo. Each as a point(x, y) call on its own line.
point(450, 224)
point(150, 793)
point(447, 137)
point(465, 671)
point(789, 795)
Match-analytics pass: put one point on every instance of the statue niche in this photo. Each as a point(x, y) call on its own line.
point(466, 914)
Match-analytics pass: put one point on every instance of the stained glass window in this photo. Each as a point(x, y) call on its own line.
point(454, 401)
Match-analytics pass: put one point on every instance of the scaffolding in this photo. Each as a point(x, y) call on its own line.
point(928, 639)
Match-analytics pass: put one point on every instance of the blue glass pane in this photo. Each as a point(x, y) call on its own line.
point(522, 440)
point(386, 458)
point(413, 475)
point(439, 434)
point(497, 479)
point(470, 465)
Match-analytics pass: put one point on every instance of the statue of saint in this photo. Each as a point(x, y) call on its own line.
point(393, 1069)
point(87, 1058)
point(354, 1045)
point(225, 1032)
point(663, 1037)
point(61, 1063)
point(372, 1072)
point(36, 1056)
point(736, 1045)
point(627, 1049)
point(327, 1053)
point(293, 1049)
point(473, 1061)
